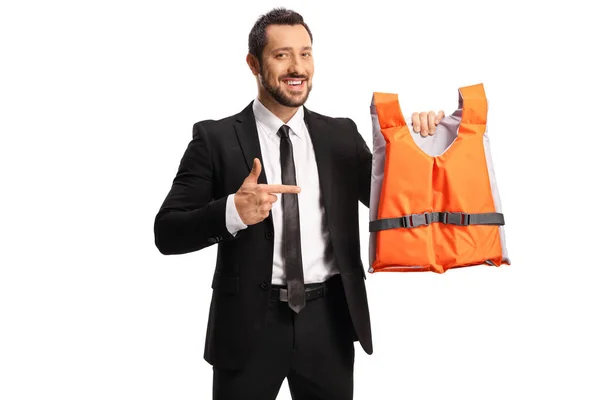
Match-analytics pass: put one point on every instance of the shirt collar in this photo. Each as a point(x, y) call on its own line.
point(272, 123)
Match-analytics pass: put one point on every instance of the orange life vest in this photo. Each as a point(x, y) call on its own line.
point(430, 211)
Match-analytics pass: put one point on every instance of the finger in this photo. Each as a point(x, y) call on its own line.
point(266, 198)
point(255, 172)
point(415, 122)
point(424, 130)
point(431, 120)
point(439, 117)
point(265, 207)
point(280, 188)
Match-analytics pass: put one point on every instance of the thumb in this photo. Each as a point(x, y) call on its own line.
point(255, 172)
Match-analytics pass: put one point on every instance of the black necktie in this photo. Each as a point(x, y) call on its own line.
point(292, 253)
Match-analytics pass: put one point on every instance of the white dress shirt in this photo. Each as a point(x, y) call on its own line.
point(317, 255)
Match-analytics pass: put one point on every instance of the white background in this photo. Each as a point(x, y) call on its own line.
point(97, 103)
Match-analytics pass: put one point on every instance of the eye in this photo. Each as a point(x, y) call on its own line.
point(306, 54)
point(280, 55)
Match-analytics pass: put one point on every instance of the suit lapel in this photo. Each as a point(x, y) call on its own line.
point(245, 128)
point(321, 140)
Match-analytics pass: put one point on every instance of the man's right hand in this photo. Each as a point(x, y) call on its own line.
point(254, 200)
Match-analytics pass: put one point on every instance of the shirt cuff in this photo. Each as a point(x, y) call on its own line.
point(232, 219)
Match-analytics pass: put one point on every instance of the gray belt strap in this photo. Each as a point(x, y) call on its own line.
point(453, 218)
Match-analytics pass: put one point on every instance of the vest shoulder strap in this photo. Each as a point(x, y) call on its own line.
point(473, 101)
point(388, 110)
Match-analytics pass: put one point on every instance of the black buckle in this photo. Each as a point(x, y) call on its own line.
point(420, 219)
point(415, 220)
point(466, 219)
point(454, 218)
point(309, 293)
point(406, 221)
point(283, 295)
point(444, 217)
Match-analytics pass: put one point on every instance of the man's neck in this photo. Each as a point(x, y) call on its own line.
point(282, 112)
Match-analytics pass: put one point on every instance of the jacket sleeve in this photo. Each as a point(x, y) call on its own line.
point(190, 218)
point(364, 159)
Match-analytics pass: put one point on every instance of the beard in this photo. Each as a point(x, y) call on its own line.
point(280, 96)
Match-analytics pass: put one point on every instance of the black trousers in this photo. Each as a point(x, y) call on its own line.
point(313, 349)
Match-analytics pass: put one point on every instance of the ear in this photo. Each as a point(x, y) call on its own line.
point(253, 64)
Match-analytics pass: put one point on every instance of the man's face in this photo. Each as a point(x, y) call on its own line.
point(287, 64)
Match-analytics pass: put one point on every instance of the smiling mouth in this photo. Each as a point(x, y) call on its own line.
point(295, 83)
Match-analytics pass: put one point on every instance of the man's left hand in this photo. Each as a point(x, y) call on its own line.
point(425, 122)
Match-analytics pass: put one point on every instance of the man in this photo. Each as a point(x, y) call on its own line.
point(277, 187)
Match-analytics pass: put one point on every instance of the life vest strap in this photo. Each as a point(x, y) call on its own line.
point(444, 217)
point(387, 108)
point(474, 103)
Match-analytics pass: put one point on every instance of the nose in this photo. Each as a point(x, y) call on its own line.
point(294, 67)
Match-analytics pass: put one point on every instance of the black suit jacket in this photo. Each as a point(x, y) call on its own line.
point(192, 217)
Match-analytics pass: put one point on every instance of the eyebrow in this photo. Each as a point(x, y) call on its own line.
point(290, 49)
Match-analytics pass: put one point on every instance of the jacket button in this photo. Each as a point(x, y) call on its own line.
point(269, 235)
point(212, 240)
point(264, 285)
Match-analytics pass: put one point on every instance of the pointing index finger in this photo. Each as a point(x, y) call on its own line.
point(281, 188)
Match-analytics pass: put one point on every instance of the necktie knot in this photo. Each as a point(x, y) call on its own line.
point(284, 131)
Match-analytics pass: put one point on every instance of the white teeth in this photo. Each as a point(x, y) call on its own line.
point(293, 82)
